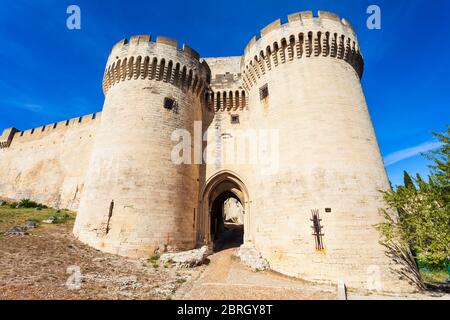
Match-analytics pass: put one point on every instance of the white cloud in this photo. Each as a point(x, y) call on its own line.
point(30, 107)
point(410, 152)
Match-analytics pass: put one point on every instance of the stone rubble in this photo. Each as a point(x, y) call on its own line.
point(252, 258)
point(189, 259)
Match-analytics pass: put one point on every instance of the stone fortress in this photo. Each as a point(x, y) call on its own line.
point(311, 218)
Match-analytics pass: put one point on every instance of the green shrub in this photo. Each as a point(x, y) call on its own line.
point(153, 260)
point(27, 203)
point(417, 217)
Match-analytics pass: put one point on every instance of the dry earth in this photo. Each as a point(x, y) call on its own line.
point(35, 266)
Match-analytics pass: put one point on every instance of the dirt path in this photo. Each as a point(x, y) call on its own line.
point(227, 278)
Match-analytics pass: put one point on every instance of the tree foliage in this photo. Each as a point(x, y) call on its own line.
point(417, 217)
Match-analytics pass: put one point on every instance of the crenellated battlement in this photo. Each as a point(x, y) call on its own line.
point(227, 100)
point(303, 36)
point(160, 60)
point(14, 135)
point(146, 40)
point(306, 19)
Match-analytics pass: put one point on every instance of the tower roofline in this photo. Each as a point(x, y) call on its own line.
point(305, 20)
point(142, 40)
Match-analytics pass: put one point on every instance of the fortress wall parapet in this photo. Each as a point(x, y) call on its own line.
point(48, 163)
point(303, 36)
point(160, 60)
point(18, 136)
point(6, 137)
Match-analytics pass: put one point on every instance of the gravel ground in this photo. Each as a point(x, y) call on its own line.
point(46, 264)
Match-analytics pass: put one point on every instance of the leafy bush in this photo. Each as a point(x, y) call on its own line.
point(153, 260)
point(417, 220)
point(27, 203)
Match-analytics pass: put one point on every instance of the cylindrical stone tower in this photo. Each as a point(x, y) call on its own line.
point(135, 199)
point(303, 79)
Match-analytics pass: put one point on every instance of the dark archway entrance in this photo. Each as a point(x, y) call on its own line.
point(227, 228)
point(217, 224)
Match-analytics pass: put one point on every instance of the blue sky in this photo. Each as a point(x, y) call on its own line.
point(50, 73)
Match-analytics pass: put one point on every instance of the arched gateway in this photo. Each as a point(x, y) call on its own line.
point(221, 186)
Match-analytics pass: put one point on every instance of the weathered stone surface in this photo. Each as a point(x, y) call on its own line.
point(16, 231)
point(191, 258)
point(50, 219)
point(252, 258)
point(30, 224)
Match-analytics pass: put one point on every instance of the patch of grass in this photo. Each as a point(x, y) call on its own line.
point(26, 203)
point(154, 261)
point(181, 280)
point(434, 275)
point(15, 217)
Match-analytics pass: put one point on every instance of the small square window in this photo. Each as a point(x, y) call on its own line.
point(234, 118)
point(169, 103)
point(263, 92)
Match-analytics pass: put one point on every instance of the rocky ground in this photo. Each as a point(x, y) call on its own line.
point(49, 263)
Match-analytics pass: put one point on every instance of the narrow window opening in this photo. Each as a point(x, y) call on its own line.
point(263, 92)
point(169, 103)
point(234, 119)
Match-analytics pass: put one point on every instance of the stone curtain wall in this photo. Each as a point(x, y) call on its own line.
point(48, 164)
